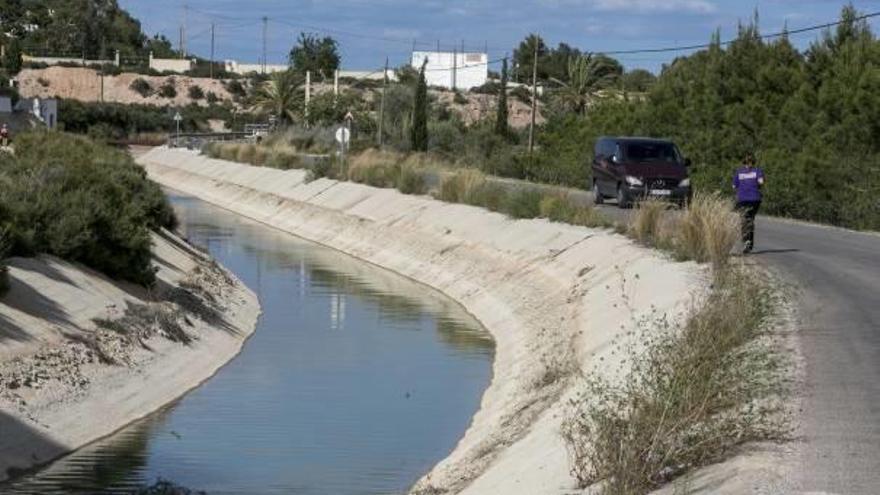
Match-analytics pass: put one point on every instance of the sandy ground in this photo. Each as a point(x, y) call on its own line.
point(556, 298)
point(82, 356)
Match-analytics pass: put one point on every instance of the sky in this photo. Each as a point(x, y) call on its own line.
point(368, 31)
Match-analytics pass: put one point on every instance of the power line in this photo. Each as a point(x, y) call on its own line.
point(731, 41)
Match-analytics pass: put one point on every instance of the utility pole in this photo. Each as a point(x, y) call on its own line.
point(382, 104)
point(212, 50)
point(183, 32)
point(308, 93)
point(265, 30)
point(454, 68)
point(534, 99)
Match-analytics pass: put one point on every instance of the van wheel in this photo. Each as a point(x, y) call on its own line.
point(598, 199)
point(623, 200)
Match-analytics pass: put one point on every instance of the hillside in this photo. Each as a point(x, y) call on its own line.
point(85, 84)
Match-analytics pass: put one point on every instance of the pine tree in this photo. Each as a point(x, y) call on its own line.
point(419, 131)
point(501, 127)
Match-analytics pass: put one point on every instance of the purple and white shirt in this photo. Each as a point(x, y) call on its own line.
point(747, 182)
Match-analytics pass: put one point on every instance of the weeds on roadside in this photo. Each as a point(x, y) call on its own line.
point(706, 231)
point(690, 397)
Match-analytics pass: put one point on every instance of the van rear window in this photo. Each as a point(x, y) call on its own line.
point(651, 152)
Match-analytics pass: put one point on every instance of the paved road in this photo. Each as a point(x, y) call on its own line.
point(837, 274)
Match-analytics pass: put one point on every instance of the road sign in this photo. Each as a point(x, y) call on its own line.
point(343, 135)
point(349, 117)
point(178, 117)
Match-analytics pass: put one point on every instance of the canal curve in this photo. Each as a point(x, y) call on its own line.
point(356, 381)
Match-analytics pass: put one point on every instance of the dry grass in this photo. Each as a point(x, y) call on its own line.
point(706, 231)
point(693, 394)
point(646, 223)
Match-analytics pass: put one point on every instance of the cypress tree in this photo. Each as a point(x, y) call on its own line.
point(419, 131)
point(501, 116)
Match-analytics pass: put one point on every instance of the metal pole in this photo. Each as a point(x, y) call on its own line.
point(534, 99)
point(265, 29)
point(382, 104)
point(308, 93)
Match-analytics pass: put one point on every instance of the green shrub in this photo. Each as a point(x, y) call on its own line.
point(196, 93)
point(168, 90)
point(410, 181)
point(523, 204)
point(212, 98)
point(141, 86)
point(83, 202)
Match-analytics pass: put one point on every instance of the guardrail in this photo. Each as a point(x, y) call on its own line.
point(196, 140)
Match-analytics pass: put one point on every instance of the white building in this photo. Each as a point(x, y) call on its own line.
point(453, 70)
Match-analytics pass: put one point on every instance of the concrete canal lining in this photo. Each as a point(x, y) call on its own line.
point(556, 298)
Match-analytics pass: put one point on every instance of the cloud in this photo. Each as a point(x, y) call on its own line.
point(642, 6)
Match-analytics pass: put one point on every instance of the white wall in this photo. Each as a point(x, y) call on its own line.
point(453, 70)
point(179, 65)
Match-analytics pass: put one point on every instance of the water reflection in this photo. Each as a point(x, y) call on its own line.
point(356, 382)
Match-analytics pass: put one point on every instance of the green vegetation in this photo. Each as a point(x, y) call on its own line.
point(72, 198)
point(691, 396)
point(501, 115)
point(141, 86)
point(280, 96)
point(419, 131)
point(196, 93)
point(318, 55)
point(168, 90)
point(93, 29)
point(811, 118)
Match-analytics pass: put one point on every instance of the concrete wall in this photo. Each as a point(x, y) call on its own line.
point(178, 65)
point(453, 70)
point(555, 297)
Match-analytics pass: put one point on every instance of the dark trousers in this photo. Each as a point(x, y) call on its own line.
point(748, 210)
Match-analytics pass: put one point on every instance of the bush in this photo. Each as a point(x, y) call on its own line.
point(647, 222)
point(43, 82)
point(410, 180)
point(70, 197)
point(142, 87)
point(196, 93)
point(459, 99)
point(708, 230)
point(235, 88)
point(523, 204)
point(522, 94)
point(212, 98)
point(168, 90)
point(691, 396)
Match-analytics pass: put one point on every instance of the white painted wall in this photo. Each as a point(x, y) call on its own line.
point(453, 70)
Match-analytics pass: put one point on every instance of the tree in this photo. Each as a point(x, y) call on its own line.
point(279, 96)
point(638, 80)
point(318, 55)
point(524, 55)
point(419, 132)
point(501, 127)
point(12, 60)
point(586, 75)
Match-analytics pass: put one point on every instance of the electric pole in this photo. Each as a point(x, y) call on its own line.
point(382, 104)
point(265, 29)
point(183, 31)
point(454, 67)
point(212, 50)
point(534, 99)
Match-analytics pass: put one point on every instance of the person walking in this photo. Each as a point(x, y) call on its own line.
point(4, 135)
point(748, 182)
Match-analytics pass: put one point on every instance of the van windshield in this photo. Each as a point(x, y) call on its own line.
point(651, 152)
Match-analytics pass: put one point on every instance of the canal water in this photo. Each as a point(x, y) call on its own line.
point(356, 381)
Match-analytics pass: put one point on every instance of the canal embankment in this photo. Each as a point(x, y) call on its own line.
point(556, 298)
point(82, 355)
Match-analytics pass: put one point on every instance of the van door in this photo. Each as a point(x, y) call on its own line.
point(605, 176)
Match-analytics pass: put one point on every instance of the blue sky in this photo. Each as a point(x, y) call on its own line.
point(368, 31)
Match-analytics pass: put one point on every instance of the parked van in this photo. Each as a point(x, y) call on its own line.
point(634, 168)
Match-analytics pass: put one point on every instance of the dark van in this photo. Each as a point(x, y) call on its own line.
point(632, 168)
